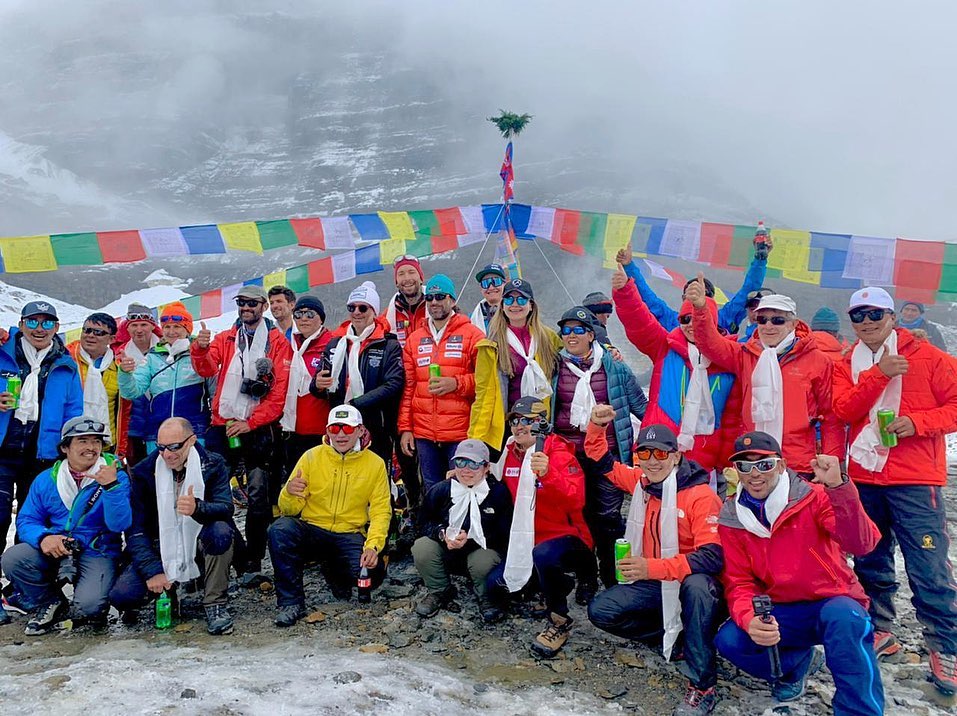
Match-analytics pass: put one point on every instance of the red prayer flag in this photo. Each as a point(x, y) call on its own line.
point(211, 304)
point(320, 272)
point(917, 269)
point(309, 233)
point(120, 247)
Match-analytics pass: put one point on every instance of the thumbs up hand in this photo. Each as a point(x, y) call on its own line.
point(695, 293)
point(126, 363)
point(297, 485)
point(204, 336)
point(186, 504)
point(618, 279)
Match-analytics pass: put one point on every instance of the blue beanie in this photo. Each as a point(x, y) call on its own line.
point(825, 320)
point(440, 283)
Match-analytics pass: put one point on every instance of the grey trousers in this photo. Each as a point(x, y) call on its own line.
point(434, 561)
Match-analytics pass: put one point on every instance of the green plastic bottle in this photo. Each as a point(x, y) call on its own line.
point(164, 612)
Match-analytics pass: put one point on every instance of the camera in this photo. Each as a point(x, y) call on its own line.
point(66, 572)
point(259, 386)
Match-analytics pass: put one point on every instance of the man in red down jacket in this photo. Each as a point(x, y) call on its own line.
point(788, 393)
point(901, 487)
point(238, 413)
point(786, 538)
point(434, 412)
point(672, 371)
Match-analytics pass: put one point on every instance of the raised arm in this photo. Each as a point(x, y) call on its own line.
point(664, 314)
point(733, 312)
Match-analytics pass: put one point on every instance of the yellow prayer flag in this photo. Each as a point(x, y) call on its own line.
point(811, 277)
point(618, 230)
point(242, 236)
point(73, 335)
point(389, 249)
point(720, 297)
point(24, 254)
point(791, 251)
point(274, 279)
point(399, 225)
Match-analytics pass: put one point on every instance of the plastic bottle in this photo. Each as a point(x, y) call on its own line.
point(164, 612)
point(760, 234)
point(364, 583)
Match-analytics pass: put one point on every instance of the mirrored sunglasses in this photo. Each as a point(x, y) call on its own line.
point(85, 427)
point(773, 320)
point(520, 300)
point(522, 420)
point(47, 324)
point(490, 281)
point(173, 319)
point(306, 313)
point(875, 314)
point(646, 453)
point(765, 464)
point(577, 330)
point(336, 428)
point(464, 463)
point(133, 317)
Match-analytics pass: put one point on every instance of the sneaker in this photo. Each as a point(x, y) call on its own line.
point(697, 702)
point(253, 580)
point(792, 690)
point(12, 603)
point(885, 644)
point(432, 602)
point(491, 612)
point(585, 592)
point(290, 615)
point(46, 617)
point(553, 636)
point(943, 672)
point(218, 619)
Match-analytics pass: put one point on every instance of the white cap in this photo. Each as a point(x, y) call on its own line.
point(365, 293)
point(871, 296)
point(778, 302)
point(345, 415)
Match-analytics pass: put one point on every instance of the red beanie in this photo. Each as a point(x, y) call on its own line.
point(688, 309)
point(407, 261)
point(176, 308)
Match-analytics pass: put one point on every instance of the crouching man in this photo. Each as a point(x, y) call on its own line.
point(672, 570)
point(465, 524)
point(786, 538)
point(336, 509)
point(70, 525)
point(182, 518)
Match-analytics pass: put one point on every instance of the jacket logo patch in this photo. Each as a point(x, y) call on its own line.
point(927, 542)
point(453, 354)
point(512, 471)
point(421, 362)
point(315, 362)
point(425, 340)
point(681, 513)
point(488, 510)
point(426, 348)
point(454, 339)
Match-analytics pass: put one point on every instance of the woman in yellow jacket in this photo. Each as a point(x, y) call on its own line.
point(335, 508)
point(524, 368)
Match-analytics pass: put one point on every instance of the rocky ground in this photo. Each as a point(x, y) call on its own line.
point(347, 650)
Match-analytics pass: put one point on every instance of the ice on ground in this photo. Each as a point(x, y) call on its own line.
point(293, 677)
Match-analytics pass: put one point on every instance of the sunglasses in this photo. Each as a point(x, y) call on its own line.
point(98, 332)
point(859, 314)
point(685, 319)
point(647, 453)
point(132, 317)
point(429, 297)
point(404, 257)
point(521, 300)
point(172, 447)
point(306, 313)
point(336, 428)
point(773, 320)
point(85, 427)
point(522, 420)
point(753, 303)
point(490, 281)
point(360, 307)
point(577, 330)
point(249, 302)
point(48, 324)
point(756, 295)
point(464, 463)
point(173, 319)
point(601, 308)
point(765, 464)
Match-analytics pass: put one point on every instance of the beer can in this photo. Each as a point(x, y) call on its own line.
point(435, 370)
point(885, 418)
point(14, 385)
point(622, 550)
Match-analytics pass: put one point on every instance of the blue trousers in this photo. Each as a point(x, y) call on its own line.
point(435, 459)
point(842, 625)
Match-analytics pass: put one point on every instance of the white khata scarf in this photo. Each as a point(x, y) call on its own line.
point(773, 507)
point(29, 410)
point(178, 533)
point(391, 316)
point(866, 450)
point(668, 525)
point(174, 349)
point(299, 380)
point(96, 403)
point(349, 346)
point(584, 399)
point(697, 415)
point(232, 402)
point(478, 317)
point(521, 535)
point(767, 390)
point(437, 334)
point(534, 381)
point(468, 501)
point(133, 351)
point(66, 486)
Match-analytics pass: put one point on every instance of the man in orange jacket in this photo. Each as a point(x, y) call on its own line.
point(901, 486)
point(252, 361)
point(435, 409)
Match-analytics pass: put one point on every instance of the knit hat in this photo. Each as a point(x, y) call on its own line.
point(687, 308)
point(440, 283)
point(407, 261)
point(176, 312)
point(825, 320)
point(365, 293)
point(918, 306)
point(307, 300)
point(139, 312)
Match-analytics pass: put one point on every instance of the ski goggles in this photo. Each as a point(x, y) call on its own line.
point(520, 300)
point(336, 428)
point(173, 319)
point(765, 464)
point(429, 297)
point(464, 463)
point(490, 281)
point(133, 317)
point(601, 308)
point(47, 324)
point(577, 330)
point(754, 297)
point(648, 453)
point(404, 257)
point(85, 427)
point(773, 320)
point(859, 314)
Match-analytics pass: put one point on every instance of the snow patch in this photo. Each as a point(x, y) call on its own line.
point(13, 298)
point(153, 296)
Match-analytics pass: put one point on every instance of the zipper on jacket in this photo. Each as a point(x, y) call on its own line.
point(823, 563)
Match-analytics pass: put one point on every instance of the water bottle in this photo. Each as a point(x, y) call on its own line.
point(164, 612)
point(761, 241)
point(364, 583)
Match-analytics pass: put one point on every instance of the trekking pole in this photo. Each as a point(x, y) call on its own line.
point(762, 609)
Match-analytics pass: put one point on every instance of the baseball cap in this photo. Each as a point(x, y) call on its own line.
point(440, 283)
point(580, 314)
point(755, 442)
point(871, 296)
point(345, 415)
point(253, 291)
point(472, 450)
point(494, 269)
point(778, 302)
point(519, 286)
point(82, 425)
point(528, 406)
point(657, 436)
point(37, 308)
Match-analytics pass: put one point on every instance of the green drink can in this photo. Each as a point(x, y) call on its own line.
point(622, 550)
point(234, 442)
point(885, 418)
point(14, 385)
point(435, 370)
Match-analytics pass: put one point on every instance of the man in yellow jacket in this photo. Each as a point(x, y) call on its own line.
point(336, 509)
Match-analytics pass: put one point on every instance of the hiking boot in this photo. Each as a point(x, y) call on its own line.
point(490, 611)
point(290, 615)
point(252, 580)
point(553, 636)
point(432, 602)
point(537, 608)
point(218, 619)
point(45, 618)
point(943, 672)
point(885, 644)
point(697, 702)
point(792, 690)
point(130, 617)
point(585, 592)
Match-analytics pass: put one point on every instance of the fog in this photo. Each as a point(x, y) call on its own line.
point(815, 115)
